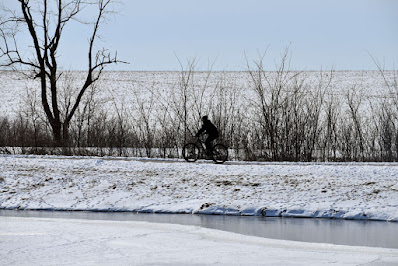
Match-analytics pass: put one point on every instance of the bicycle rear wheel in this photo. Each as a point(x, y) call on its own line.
point(190, 152)
point(220, 153)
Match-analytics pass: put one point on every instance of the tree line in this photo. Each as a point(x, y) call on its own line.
point(281, 116)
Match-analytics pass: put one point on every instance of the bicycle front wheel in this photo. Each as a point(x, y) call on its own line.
point(220, 153)
point(190, 152)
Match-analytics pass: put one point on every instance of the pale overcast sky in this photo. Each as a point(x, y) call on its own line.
point(325, 34)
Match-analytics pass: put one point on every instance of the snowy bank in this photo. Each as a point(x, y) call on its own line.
point(31, 241)
point(327, 190)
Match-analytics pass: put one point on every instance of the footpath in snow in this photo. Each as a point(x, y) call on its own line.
point(328, 190)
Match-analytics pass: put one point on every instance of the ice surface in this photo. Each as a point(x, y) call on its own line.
point(43, 241)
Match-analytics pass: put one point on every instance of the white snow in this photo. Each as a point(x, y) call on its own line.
point(335, 190)
point(44, 241)
point(121, 85)
point(338, 190)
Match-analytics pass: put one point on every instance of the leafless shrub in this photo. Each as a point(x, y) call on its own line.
point(145, 124)
point(287, 111)
point(167, 138)
point(329, 138)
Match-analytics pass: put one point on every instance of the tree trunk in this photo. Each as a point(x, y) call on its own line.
point(57, 135)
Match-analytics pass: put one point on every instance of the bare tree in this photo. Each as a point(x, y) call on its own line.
point(332, 114)
point(144, 122)
point(354, 100)
point(389, 111)
point(32, 114)
point(45, 22)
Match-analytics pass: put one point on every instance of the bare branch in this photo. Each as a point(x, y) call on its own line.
point(45, 21)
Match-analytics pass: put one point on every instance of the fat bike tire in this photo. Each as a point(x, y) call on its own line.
point(190, 152)
point(220, 153)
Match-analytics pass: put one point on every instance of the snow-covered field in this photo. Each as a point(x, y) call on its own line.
point(43, 241)
point(335, 190)
point(122, 87)
point(338, 190)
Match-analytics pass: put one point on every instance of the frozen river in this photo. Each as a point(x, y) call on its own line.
point(333, 231)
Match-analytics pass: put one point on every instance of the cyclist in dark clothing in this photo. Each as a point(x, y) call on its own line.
point(209, 129)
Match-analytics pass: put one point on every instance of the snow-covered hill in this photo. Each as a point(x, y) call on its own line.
point(335, 190)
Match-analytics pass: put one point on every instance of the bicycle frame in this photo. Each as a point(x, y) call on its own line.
point(201, 145)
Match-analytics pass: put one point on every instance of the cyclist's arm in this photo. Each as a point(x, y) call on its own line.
point(201, 131)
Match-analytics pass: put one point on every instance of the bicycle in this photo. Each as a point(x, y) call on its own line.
point(192, 151)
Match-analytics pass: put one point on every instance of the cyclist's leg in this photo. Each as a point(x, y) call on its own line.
point(209, 147)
